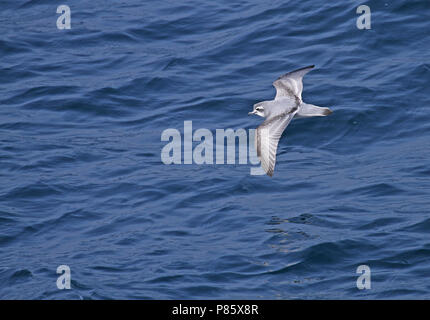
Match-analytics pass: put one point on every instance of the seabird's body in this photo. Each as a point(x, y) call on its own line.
point(279, 112)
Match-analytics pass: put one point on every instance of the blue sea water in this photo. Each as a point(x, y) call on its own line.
point(83, 185)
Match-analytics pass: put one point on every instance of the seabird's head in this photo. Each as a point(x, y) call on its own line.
point(258, 109)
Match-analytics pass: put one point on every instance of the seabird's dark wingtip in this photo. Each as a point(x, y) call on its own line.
point(288, 73)
point(308, 67)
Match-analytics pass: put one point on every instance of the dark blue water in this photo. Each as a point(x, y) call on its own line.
point(82, 182)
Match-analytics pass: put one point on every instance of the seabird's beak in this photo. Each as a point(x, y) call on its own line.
point(253, 112)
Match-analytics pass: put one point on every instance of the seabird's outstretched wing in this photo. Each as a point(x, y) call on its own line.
point(267, 137)
point(290, 84)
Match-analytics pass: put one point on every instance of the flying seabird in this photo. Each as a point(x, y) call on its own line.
point(279, 112)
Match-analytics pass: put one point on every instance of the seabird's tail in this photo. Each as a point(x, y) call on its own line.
point(309, 110)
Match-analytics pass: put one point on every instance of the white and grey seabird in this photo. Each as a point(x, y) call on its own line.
point(279, 112)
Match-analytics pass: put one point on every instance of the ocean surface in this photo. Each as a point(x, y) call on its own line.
point(83, 184)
